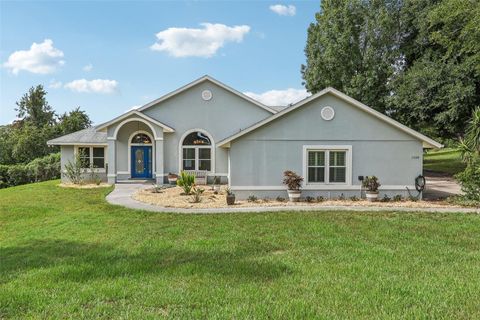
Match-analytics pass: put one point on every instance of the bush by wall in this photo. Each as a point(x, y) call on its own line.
point(40, 169)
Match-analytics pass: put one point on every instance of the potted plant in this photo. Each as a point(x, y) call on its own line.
point(293, 182)
point(216, 184)
point(371, 184)
point(172, 178)
point(230, 197)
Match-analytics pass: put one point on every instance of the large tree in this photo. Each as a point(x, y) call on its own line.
point(26, 139)
point(350, 47)
point(416, 60)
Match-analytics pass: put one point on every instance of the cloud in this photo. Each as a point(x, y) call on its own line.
point(88, 67)
point(283, 10)
point(204, 42)
point(95, 86)
point(279, 97)
point(55, 84)
point(42, 58)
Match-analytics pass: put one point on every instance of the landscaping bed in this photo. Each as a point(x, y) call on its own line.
point(174, 198)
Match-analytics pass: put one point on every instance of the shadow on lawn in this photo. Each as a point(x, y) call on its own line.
point(82, 262)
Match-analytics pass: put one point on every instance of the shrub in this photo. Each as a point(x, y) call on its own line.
point(280, 199)
point(470, 181)
point(397, 198)
point(74, 170)
point(320, 199)
point(386, 198)
point(40, 169)
point(186, 181)
point(252, 198)
point(354, 198)
point(371, 183)
point(341, 197)
point(197, 194)
point(292, 180)
point(309, 199)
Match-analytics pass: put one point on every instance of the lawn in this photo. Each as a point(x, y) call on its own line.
point(443, 161)
point(66, 253)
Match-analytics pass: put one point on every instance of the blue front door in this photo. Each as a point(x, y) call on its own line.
point(141, 162)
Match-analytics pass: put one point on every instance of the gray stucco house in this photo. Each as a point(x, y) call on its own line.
point(328, 138)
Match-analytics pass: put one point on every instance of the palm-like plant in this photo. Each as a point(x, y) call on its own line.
point(186, 181)
point(470, 144)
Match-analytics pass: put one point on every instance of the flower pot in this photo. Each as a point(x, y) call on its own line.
point(230, 199)
point(372, 195)
point(172, 180)
point(294, 195)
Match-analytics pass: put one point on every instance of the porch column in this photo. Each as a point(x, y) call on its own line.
point(112, 168)
point(159, 160)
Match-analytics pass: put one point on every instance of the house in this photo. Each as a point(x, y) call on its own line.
point(329, 138)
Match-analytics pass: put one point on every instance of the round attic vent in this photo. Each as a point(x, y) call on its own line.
point(206, 95)
point(327, 113)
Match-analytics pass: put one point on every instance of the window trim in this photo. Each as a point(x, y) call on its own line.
point(211, 147)
point(327, 149)
point(90, 154)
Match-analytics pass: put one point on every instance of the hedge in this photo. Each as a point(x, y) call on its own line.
point(40, 169)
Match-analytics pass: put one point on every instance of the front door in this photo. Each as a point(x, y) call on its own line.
point(141, 162)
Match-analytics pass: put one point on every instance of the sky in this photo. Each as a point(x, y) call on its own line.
point(109, 57)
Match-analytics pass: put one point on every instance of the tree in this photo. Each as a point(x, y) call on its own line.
point(438, 85)
point(351, 48)
point(73, 121)
point(34, 108)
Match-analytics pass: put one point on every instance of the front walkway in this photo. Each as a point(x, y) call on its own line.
point(122, 196)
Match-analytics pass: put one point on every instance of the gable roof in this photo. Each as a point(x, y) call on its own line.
point(200, 80)
point(139, 114)
point(427, 142)
point(86, 136)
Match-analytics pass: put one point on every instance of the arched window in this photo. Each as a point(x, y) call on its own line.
point(141, 138)
point(197, 152)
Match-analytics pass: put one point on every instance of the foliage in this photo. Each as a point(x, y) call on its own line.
point(470, 147)
point(41, 169)
point(292, 180)
point(186, 181)
point(320, 199)
point(309, 199)
point(371, 183)
point(197, 194)
point(280, 199)
point(397, 198)
point(354, 198)
point(74, 170)
point(341, 197)
point(93, 175)
point(26, 139)
point(385, 198)
point(252, 198)
point(229, 192)
point(417, 61)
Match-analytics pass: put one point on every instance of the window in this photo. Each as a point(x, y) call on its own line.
point(141, 138)
point(197, 152)
point(92, 155)
point(327, 164)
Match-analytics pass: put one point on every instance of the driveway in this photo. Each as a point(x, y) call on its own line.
point(440, 186)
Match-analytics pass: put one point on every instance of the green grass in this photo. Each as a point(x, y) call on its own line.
point(444, 161)
point(66, 253)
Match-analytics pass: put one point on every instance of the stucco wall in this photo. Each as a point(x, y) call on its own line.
point(223, 115)
point(67, 154)
point(260, 157)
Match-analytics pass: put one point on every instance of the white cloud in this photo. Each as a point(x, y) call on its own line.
point(55, 84)
point(279, 97)
point(88, 67)
point(204, 42)
point(95, 86)
point(42, 58)
point(283, 10)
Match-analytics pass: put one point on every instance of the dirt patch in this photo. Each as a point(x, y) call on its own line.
point(173, 198)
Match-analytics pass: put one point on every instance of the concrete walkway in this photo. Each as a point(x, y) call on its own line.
point(122, 196)
point(440, 186)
